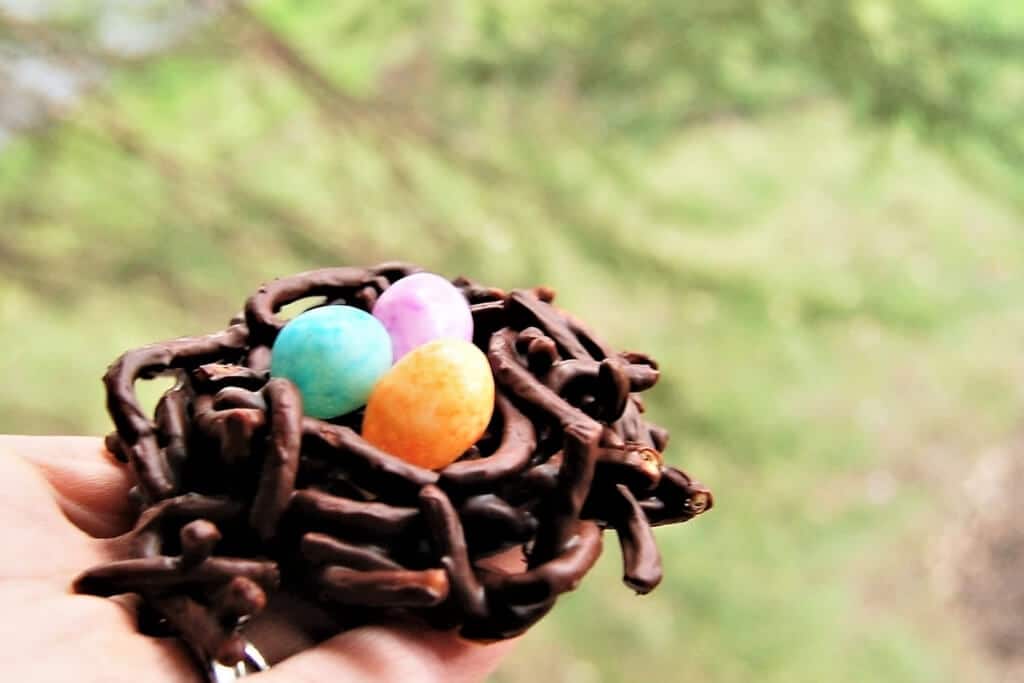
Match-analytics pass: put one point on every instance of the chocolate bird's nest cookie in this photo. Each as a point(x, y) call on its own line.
point(243, 498)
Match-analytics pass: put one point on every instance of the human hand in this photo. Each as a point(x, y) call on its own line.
point(64, 502)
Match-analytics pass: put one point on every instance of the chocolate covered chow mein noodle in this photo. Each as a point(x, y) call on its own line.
point(242, 496)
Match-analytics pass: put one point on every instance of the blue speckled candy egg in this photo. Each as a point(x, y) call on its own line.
point(334, 355)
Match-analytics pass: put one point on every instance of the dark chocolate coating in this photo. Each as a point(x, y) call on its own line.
point(518, 442)
point(640, 559)
point(243, 497)
point(321, 548)
point(281, 457)
point(382, 587)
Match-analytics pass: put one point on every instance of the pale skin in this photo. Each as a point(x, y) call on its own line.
point(64, 504)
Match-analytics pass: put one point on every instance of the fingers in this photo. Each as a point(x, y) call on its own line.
point(83, 639)
point(92, 491)
point(37, 543)
point(89, 485)
point(392, 654)
point(382, 654)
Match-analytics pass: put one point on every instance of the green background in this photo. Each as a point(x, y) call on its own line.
point(808, 212)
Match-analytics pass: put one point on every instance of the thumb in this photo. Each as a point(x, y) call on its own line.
point(89, 485)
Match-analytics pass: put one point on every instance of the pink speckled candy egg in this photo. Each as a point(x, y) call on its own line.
point(421, 308)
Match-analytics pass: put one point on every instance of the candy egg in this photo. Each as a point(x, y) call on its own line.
point(433, 404)
point(334, 355)
point(420, 308)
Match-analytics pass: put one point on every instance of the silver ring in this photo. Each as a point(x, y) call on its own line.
point(252, 663)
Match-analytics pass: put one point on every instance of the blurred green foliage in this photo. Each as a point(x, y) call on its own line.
point(807, 211)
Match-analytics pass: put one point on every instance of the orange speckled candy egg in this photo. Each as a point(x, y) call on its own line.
point(432, 404)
